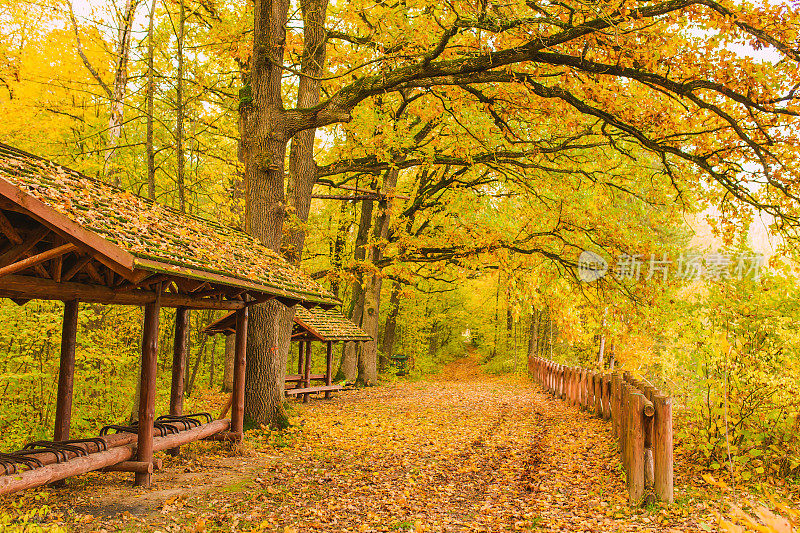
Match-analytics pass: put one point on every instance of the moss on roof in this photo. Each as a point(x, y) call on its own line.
point(330, 325)
point(151, 232)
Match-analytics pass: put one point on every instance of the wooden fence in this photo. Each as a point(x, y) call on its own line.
point(640, 414)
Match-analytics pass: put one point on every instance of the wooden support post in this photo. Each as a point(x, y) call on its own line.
point(147, 395)
point(66, 371)
point(239, 365)
point(179, 350)
point(307, 372)
point(328, 367)
point(300, 358)
point(662, 448)
point(636, 445)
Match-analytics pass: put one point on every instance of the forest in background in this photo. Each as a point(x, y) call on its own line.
point(479, 252)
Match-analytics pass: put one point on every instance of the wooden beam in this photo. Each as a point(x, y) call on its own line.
point(18, 251)
point(37, 259)
point(145, 281)
point(66, 371)
point(26, 287)
point(8, 229)
point(147, 395)
point(199, 286)
point(290, 297)
point(239, 366)
point(42, 271)
point(74, 269)
point(94, 274)
point(57, 266)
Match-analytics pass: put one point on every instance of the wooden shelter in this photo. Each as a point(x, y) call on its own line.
point(65, 236)
point(323, 325)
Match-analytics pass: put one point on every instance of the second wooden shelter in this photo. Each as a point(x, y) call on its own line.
point(317, 324)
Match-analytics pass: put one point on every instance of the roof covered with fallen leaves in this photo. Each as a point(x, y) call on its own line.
point(329, 325)
point(159, 238)
point(309, 324)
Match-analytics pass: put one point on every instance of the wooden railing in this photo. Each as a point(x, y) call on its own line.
point(640, 414)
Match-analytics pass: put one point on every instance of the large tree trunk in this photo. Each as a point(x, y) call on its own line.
point(266, 131)
point(337, 259)
point(264, 140)
point(118, 91)
point(302, 168)
point(368, 361)
point(390, 327)
point(151, 157)
point(348, 362)
point(180, 111)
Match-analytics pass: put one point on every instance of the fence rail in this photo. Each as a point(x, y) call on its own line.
point(641, 417)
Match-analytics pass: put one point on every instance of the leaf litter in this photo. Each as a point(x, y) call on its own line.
point(457, 452)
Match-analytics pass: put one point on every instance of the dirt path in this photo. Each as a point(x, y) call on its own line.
point(459, 452)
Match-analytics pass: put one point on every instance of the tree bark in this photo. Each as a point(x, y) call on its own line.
point(390, 327)
point(151, 157)
point(349, 360)
point(266, 130)
point(368, 361)
point(338, 247)
point(264, 141)
point(180, 111)
point(602, 350)
point(120, 86)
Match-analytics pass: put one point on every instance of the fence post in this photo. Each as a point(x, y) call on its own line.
point(649, 465)
point(616, 405)
point(598, 394)
point(662, 448)
point(636, 445)
point(583, 389)
point(568, 384)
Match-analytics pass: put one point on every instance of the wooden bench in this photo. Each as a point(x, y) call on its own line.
point(299, 377)
point(312, 390)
